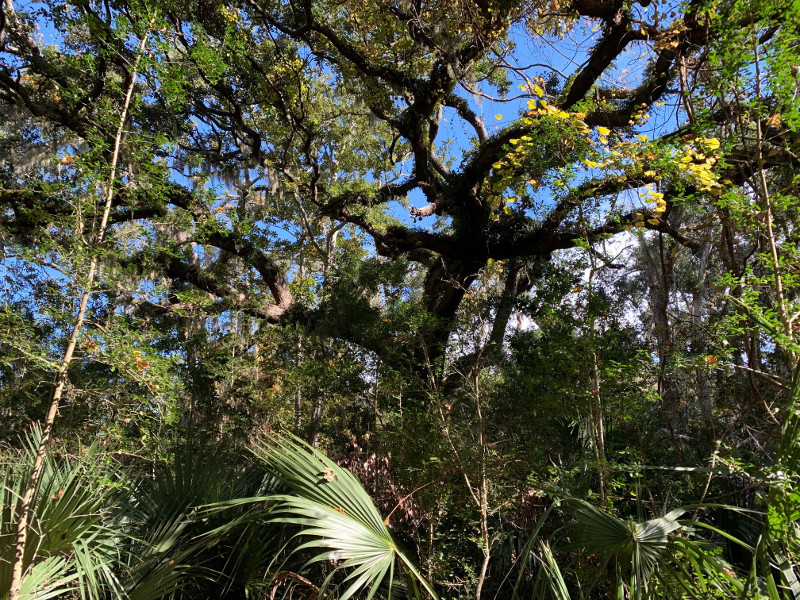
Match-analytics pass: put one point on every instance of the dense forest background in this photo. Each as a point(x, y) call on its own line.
point(424, 298)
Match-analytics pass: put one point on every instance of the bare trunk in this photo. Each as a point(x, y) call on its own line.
point(298, 408)
point(596, 426)
point(661, 274)
point(766, 201)
point(316, 421)
point(483, 493)
point(698, 298)
point(298, 397)
point(480, 492)
point(26, 505)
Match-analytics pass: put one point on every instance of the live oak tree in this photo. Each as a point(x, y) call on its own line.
point(315, 115)
point(318, 221)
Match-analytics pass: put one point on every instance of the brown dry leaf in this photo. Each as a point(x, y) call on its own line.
point(141, 363)
point(328, 474)
point(774, 120)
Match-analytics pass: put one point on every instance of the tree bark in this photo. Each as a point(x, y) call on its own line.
point(25, 510)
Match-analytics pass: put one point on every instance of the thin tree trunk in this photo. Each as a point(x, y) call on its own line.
point(483, 493)
point(661, 275)
point(783, 313)
point(698, 298)
point(596, 426)
point(298, 396)
point(316, 420)
point(26, 505)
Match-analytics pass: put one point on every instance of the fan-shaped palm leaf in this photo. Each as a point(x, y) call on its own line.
point(642, 550)
point(172, 546)
point(69, 545)
point(338, 516)
point(635, 547)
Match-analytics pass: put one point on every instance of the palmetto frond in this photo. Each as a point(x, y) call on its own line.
point(660, 548)
point(338, 518)
point(70, 547)
point(176, 549)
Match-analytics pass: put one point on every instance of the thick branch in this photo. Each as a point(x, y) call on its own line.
point(203, 280)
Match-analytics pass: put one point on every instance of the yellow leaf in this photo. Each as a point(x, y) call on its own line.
point(604, 131)
point(641, 138)
point(537, 90)
point(498, 117)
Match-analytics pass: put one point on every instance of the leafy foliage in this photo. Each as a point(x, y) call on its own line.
point(471, 259)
